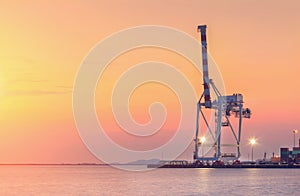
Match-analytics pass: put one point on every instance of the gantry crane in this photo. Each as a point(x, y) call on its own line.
point(223, 107)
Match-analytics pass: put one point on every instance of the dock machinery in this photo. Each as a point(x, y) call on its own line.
point(223, 107)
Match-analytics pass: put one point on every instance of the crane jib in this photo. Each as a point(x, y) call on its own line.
point(207, 98)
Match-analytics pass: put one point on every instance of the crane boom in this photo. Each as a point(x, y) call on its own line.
point(207, 99)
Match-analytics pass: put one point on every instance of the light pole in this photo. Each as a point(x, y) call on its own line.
point(295, 132)
point(252, 142)
point(202, 140)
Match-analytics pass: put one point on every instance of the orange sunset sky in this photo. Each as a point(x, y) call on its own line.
point(255, 44)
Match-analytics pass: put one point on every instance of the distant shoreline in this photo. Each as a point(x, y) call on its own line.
point(256, 166)
point(72, 164)
point(3, 164)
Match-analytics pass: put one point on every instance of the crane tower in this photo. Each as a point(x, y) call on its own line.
point(223, 107)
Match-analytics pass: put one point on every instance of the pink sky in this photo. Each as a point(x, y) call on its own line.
point(256, 45)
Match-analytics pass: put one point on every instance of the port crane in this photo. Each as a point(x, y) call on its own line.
point(223, 107)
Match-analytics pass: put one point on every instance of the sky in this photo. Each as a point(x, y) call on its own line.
point(255, 44)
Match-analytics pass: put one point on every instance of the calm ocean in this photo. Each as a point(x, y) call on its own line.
point(103, 180)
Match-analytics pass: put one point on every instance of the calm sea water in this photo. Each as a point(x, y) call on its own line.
point(103, 180)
